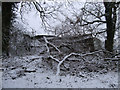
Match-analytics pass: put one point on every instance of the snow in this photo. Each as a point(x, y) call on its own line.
point(44, 77)
point(0, 80)
point(29, 71)
point(45, 80)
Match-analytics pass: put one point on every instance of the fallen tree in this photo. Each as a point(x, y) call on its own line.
point(66, 57)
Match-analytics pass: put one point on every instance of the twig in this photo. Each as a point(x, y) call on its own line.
point(92, 53)
point(113, 59)
point(48, 50)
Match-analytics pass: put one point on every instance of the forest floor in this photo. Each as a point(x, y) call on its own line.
point(29, 72)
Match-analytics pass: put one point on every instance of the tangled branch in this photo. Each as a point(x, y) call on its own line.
point(66, 57)
point(47, 42)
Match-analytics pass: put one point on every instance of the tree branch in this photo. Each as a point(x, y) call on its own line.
point(96, 21)
point(48, 50)
point(99, 17)
point(50, 44)
point(54, 58)
point(76, 54)
point(69, 55)
point(113, 59)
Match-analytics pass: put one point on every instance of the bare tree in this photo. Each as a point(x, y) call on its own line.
point(91, 19)
point(98, 16)
point(7, 18)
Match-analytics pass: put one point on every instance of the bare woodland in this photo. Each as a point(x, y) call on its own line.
point(86, 40)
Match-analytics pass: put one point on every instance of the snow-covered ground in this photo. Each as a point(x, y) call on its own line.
point(47, 80)
point(0, 80)
point(28, 72)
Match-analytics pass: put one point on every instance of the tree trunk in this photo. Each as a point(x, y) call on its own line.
point(6, 24)
point(110, 16)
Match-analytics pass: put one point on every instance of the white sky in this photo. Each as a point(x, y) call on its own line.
point(34, 21)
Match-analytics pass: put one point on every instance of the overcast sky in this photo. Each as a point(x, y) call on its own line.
point(33, 20)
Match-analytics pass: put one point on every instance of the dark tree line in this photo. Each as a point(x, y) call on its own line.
point(14, 40)
point(7, 17)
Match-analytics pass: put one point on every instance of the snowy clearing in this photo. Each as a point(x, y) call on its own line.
point(45, 80)
point(35, 75)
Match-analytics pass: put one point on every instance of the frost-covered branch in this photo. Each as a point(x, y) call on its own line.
point(48, 50)
point(76, 54)
point(50, 44)
point(91, 53)
point(54, 58)
point(113, 59)
point(67, 56)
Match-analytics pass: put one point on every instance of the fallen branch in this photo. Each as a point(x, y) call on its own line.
point(118, 55)
point(50, 44)
point(76, 54)
point(113, 59)
point(67, 56)
point(91, 53)
point(48, 50)
point(54, 58)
